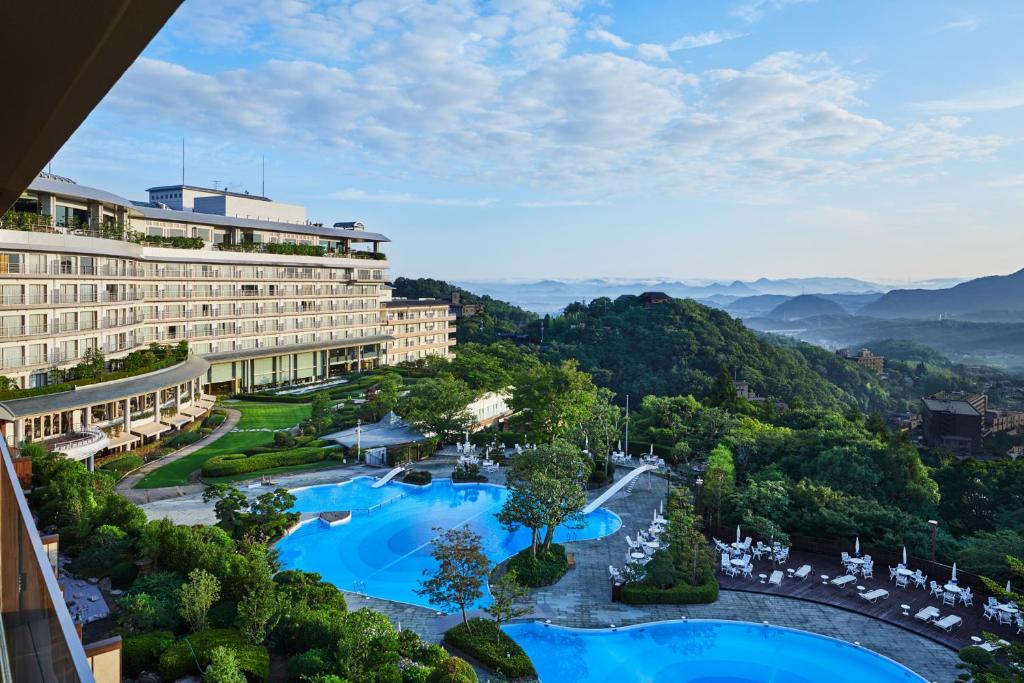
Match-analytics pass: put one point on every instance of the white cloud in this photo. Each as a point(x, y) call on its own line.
point(456, 93)
point(652, 52)
point(602, 36)
point(705, 39)
point(755, 10)
point(357, 195)
point(1007, 181)
point(965, 25)
point(562, 203)
point(1010, 97)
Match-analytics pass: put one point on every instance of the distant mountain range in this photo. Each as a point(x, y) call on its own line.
point(551, 296)
point(806, 306)
point(985, 297)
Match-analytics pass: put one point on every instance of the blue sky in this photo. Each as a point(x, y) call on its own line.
point(569, 139)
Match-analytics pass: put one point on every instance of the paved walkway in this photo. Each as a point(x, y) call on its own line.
point(126, 487)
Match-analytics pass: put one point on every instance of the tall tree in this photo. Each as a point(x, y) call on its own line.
point(196, 597)
point(461, 569)
point(438, 406)
point(547, 489)
point(552, 400)
point(507, 596)
point(719, 479)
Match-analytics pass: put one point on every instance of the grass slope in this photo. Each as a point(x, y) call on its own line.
point(272, 416)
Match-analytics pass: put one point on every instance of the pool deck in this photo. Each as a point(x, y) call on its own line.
point(582, 598)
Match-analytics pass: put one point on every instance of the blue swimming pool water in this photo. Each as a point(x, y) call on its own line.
point(385, 548)
point(699, 651)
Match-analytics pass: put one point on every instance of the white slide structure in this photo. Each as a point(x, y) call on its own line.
point(387, 477)
point(616, 487)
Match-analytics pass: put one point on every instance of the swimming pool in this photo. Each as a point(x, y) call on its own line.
point(700, 651)
point(385, 548)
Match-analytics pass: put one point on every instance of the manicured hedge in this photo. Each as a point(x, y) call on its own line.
point(270, 398)
point(680, 594)
point(485, 642)
point(141, 653)
point(12, 394)
point(177, 660)
point(240, 463)
point(418, 477)
point(543, 570)
point(452, 670)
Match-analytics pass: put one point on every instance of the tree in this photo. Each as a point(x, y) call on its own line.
point(368, 648)
point(546, 489)
point(230, 505)
point(552, 400)
point(259, 612)
point(723, 393)
point(462, 566)
point(197, 596)
point(602, 428)
point(719, 479)
point(269, 515)
point(438, 406)
point(691, 555)
point(223, 667)
point(507, 596)
point(386, 397)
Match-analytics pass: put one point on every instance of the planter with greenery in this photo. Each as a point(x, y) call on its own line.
point(417, 477)
point(543, 570)
point(484, 641)
point(240, 463)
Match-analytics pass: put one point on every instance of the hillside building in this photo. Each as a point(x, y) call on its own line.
point(259, 301)
point(865, 359)
point(954, 422)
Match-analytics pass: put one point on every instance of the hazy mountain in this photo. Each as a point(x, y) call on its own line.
point(986, 297)
point(754, 306)
point(814, 285)
point(806, 306)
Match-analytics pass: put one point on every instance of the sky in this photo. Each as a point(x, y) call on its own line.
point(528, 139)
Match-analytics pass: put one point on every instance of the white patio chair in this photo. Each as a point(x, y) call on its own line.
point(949, 598)
point(1002, 617)
point(919, 579)
point(936, 590)
point(902, 581)
point(966, 597)
point(867, 571)
point(989, 611)
point(748, 571)
point(892, 572)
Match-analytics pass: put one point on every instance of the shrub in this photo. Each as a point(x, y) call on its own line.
point(680, 594)
point(418, 477)
point(453, 670)
point(239, 463)
point(183, 439)
point(468, 474)
point(308, 628)
point(488, 644)
point(660, 571)
point(121, 465)
point(123, 574)
point(284, 440)
point(142, 652)
point(214, 419)
point(309, 664)
point(177, 660)
point(543, 570)
point(416, 673)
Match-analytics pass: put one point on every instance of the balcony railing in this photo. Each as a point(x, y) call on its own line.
point(39, 637)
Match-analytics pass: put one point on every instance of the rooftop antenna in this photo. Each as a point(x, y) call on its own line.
point(182, 159)
point(216, 184)
point(263, 176)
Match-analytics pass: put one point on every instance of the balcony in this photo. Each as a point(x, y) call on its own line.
point(78, 445)
point(40, 642)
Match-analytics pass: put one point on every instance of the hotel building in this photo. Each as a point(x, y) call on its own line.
point(261, 296)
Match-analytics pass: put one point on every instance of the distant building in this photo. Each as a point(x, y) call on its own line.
point(955, 422)
point(1003, 420)
point(461, 309)
point(904, 421)
point(418, 327)
point(653, 298)
point(865, 359)
point(744, 391)
point(225, 203)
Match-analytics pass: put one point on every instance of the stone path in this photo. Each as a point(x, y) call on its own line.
point(126, 487)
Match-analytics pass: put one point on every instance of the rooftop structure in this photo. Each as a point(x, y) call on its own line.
point(955, 422)
point(865, 359)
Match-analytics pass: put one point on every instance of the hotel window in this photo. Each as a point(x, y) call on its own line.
point(10, 263)
point(36, 263)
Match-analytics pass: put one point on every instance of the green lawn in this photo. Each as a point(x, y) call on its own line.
point(275, 416)
point(276, 471)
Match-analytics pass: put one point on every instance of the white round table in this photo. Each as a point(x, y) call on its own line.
point(738, 563)
point(1007, 609)
point(637, 556)
point(855, 560)
point(952, 588)
point(652, 544)
point(903, 571)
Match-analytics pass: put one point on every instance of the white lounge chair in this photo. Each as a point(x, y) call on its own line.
point(875, 595)
point(803, 572)
point(775, 578)
point(843, 581)
point(947, 622)
point(927, 614)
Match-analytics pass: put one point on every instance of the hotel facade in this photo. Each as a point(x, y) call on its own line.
point(261, 297)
